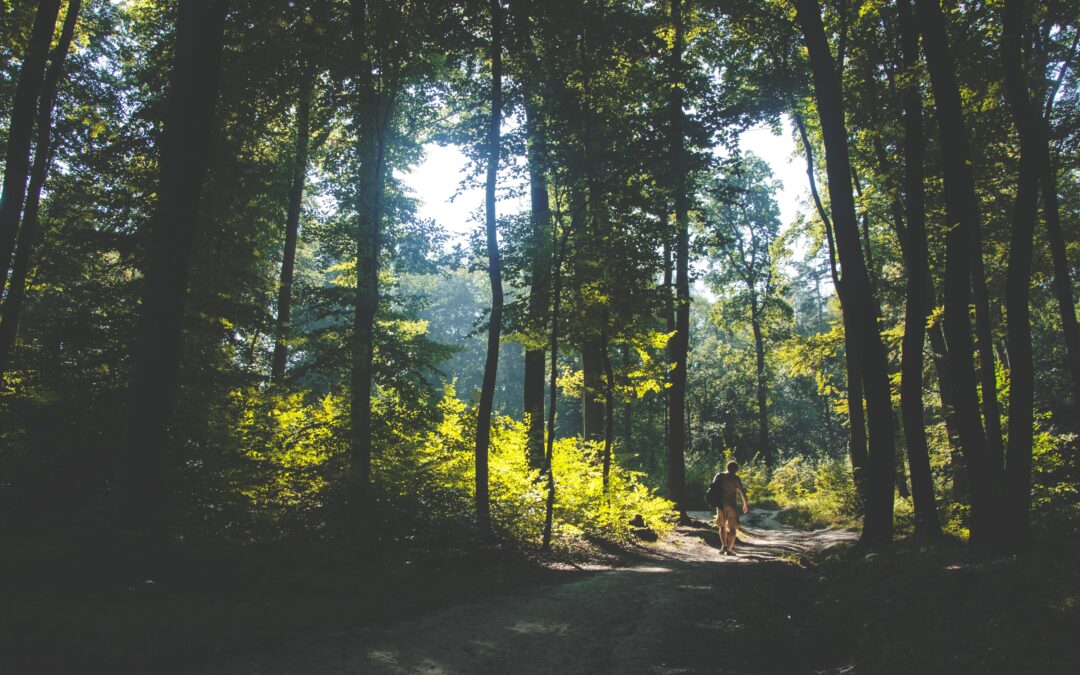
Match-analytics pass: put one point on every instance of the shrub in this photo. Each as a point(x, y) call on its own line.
point(817, 492)
point(436, 472)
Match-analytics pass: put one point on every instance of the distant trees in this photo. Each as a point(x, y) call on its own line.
point(208, 241)
point(743, 224)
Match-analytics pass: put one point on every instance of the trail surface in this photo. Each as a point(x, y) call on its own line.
point(682, 607)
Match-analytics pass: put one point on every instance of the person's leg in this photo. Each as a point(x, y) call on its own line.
point(731, 518)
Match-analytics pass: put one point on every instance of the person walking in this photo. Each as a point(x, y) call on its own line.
point(728, 488)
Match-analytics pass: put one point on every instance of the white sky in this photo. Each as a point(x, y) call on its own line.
point(437, 179)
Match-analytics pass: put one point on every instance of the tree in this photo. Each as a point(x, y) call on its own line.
point(1017, 487)
point(962, 239)
point(532, 78)
point(28, 232)
point(292, 223)
point(680, 341)
point(185, 145)
point(744, 226)
point(878, 525)
point(487, 391)
point(917, 304)
point(20, 133)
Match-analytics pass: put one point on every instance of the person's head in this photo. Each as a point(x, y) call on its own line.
point(732, 466)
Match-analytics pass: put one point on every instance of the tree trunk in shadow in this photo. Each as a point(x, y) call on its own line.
point(292, 227)
point(917, 307)
point(961, 207)
point(185, 153)
point(491, 365)
point(20, 130)
point(859, 300)
point(28, 233)
point(1025, 211)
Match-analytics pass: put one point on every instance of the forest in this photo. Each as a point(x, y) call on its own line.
point(251, 390)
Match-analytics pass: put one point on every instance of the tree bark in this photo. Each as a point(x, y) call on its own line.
point(628, 407)
point(592, 406)
point(558, 251)
point(1062, 277)
point(857, 451)
point(917, 306)
point(961, 240)
point(539, 299)
point(21, 129)
point(1018, 283)
point(185, 150)
point(878, 522)
point(292, 226)
point(28, 232)
point(609, 417)
point(491, 364)
point(372, 114)
point(762, 392)
point(680, 342)
point(540, 258)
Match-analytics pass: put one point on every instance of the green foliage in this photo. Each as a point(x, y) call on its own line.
point(434, 473)
point(815, 492)
point(290, 440)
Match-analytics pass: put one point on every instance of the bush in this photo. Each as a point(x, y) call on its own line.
point(436, 474)
point(817, 492)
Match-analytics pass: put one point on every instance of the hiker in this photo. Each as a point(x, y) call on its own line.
point(725, 487)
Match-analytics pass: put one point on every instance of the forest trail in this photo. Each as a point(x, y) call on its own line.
point(678, 608)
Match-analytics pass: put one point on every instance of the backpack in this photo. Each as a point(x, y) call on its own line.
point(715, 494)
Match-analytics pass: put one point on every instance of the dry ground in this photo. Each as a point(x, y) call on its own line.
point(680, 607)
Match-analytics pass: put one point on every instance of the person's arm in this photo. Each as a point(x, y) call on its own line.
point(745, 505)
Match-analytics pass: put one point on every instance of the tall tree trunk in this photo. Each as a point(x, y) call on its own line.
point(878, 521)
point(628, 407)
point(592, 405)
point(917, 307)
point(28, 233)
point(539, 299)
point(680, 342)
point(1062, 275)
point(1063, 288)
point(762, 393)
point(856, 417)
point(491, 364)
point(185, 151)
point(292, 226)
point(586, 271)
point(669, 324)
point(21, 129)
point(609, 417)
point(984, 347)
point(1018, 283)
point(372, 115)
point(558, 246)
point(961, 240)
point(540, 255)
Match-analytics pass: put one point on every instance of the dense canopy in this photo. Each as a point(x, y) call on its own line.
point(224, 323)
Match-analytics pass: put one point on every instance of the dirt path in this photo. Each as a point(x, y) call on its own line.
point(683, 608)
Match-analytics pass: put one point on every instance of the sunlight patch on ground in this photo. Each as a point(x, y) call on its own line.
point(540, 628)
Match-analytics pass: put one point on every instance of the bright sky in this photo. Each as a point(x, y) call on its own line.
point(436, 181)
